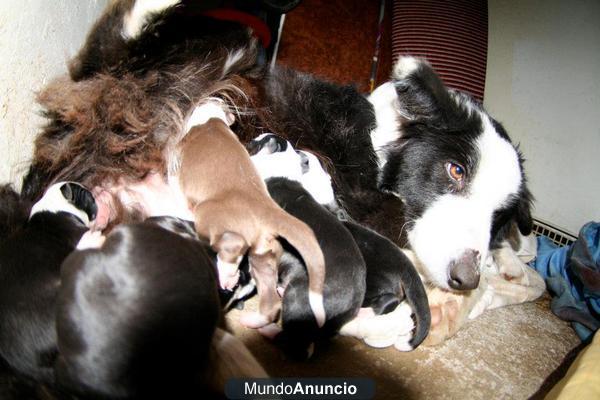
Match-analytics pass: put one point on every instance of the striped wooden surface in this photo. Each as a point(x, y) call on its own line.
point(451, 34)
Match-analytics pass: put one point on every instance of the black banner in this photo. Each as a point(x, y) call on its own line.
point(300, 388)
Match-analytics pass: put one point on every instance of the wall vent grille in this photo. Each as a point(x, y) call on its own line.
point(558, 236)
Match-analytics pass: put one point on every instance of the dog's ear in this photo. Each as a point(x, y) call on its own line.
point(80, 197)
point(304, 161)
point(523, 215)
point(421, 92)
point(271, 142)
point(275, 144)
point(66, 191)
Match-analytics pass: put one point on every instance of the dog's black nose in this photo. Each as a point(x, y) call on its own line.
point(464, 271)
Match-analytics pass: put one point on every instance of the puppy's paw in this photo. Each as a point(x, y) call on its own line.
point(270, 331)
point(91, 240)
point(444, 322)
point(213, 108)
point(254, 320)
point(392, 329)
point(229, 273)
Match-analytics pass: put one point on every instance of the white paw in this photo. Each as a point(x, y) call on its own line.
point(384, 330)
point(213, 108)
point(91, 240)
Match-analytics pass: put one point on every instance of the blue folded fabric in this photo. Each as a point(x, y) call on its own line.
point(572, 274)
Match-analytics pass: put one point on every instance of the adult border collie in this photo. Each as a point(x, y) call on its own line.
point(424, 165)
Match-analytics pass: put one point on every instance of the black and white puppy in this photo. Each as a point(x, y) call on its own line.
point(30, 259)
point(137, 312)
point(345, 277)
point(391, 277)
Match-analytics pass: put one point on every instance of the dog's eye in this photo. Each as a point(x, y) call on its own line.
point(455, 171)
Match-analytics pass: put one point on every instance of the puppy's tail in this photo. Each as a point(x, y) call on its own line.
point(13, 211)
point(303, 239)
point(230, 358)
point(416, 296)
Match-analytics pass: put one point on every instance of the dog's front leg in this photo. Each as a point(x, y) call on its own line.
point(263, 268)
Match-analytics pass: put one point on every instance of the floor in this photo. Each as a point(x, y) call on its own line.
point(506, 353)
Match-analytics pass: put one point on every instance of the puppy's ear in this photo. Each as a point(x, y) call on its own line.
point(81, 198)
point(66, 191)
point(421, 92)
point(272, 143)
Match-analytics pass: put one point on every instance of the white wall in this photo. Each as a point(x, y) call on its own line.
point(543, 84)
point(37, 37)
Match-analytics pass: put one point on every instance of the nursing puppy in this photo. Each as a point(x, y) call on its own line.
point(345, 274)
point(137, 314)
point(234, 211)
point(30, 260)
point(344, 278)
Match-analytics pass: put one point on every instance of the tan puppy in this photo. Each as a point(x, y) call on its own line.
point(233, 209)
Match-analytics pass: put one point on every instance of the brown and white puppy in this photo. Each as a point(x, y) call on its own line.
point(233, 209)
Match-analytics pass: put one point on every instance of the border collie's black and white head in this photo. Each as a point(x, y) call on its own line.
point(455, 168)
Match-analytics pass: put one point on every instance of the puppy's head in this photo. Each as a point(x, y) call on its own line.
point(315, 179)
point(69, 197)
point(273, 156)
point(455, 168)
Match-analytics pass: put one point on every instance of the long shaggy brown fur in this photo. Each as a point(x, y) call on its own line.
point(114, 117)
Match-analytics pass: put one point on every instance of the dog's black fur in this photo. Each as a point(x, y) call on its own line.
point(345, 277)
point(136, 316)
point(31, 254)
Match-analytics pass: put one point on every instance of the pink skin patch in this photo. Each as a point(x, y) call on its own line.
point(104, 201)
point(280, 291)
point(365, 312)
point(152, 196)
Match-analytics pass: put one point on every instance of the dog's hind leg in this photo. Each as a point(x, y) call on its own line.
point(263, 266)
point(230, 248)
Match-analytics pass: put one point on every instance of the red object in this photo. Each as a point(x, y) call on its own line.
point(259, 28)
